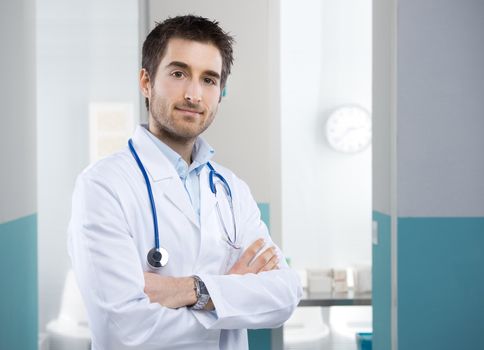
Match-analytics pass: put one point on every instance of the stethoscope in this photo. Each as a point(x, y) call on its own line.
point(158, 256)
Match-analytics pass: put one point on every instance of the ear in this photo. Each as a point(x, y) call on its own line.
point(144, 83)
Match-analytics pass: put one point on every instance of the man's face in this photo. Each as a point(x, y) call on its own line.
point(185, 93)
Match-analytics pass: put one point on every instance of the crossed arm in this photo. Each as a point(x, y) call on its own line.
point(176, 292)
point(125, 307)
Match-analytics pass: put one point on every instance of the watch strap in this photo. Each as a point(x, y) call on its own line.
point(201, 292)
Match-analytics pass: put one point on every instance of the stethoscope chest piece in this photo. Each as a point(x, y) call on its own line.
point(157, 257)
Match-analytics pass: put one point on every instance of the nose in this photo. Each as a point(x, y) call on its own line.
point(193, 92)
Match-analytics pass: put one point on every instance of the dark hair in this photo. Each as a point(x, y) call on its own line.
point(188, 27)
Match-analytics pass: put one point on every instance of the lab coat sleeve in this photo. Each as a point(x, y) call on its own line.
point(264, 300)
point(110, 277)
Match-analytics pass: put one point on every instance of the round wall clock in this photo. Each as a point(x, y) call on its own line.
point(348, 129)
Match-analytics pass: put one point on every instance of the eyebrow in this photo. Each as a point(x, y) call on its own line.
point(186, 66)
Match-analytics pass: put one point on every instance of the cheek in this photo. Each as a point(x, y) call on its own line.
point(174, 88)
point(168, 90)
point(213, 98)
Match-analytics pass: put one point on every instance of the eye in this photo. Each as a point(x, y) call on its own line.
point(209, 81)
point(177, 74)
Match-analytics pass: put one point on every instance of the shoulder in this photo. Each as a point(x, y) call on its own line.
point(109, 170)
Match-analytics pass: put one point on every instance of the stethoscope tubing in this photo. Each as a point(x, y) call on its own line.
point(150, 193)
point(213, 173)
point(221, 178)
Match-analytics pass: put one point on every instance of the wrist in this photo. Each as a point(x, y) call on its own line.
point(189, 294)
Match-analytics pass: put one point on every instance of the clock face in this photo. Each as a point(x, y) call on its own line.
point(348, 129)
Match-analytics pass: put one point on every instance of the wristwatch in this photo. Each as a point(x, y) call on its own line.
point(202, 294)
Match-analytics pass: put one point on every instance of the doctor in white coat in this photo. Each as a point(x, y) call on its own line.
point(221, 272)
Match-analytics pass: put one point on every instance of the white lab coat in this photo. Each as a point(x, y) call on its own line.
point(111, 231)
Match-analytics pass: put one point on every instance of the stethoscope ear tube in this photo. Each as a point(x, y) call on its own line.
point(221, 178)
point(213, 188)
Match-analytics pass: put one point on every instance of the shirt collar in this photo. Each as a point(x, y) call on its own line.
point(201, 155)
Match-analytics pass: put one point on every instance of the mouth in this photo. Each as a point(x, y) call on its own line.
point(189, 111)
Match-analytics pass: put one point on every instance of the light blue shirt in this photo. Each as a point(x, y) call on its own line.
point(189, 175)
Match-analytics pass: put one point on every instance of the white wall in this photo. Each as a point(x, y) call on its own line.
point(326, 196)
point(87, 52)
point(17, 110)
point(440, 115)
point(384, 108)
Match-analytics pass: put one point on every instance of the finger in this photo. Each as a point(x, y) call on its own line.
point(262, 259)
point(251, 252)
point(272, 264)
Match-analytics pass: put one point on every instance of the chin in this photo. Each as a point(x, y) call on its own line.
point(188, 134)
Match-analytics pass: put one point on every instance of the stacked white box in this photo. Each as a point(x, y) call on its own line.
point(320, 280)
point(340, 281)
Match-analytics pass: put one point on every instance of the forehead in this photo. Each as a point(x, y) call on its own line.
point(197, 55)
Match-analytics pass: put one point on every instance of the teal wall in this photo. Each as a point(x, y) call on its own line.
point(440, 283)
point(261, 339)
point(18, 293)
point(382, 292)
point(265, 213)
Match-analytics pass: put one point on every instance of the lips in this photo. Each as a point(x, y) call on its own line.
point(189, 110)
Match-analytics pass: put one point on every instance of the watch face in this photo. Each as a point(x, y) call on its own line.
point(348, 129)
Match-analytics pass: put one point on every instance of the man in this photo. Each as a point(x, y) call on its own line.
point(215, 271)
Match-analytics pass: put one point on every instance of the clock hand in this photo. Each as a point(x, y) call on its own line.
point(350, 130)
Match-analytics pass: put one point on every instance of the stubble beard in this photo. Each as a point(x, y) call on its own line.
point(165, 126)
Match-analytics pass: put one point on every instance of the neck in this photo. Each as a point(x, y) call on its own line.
point(184, 147)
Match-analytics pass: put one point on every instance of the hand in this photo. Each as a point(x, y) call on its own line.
point(266, 261)
point(172, 292)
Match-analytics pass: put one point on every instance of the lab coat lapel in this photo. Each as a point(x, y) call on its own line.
point(163, 174)
point(177, 195)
